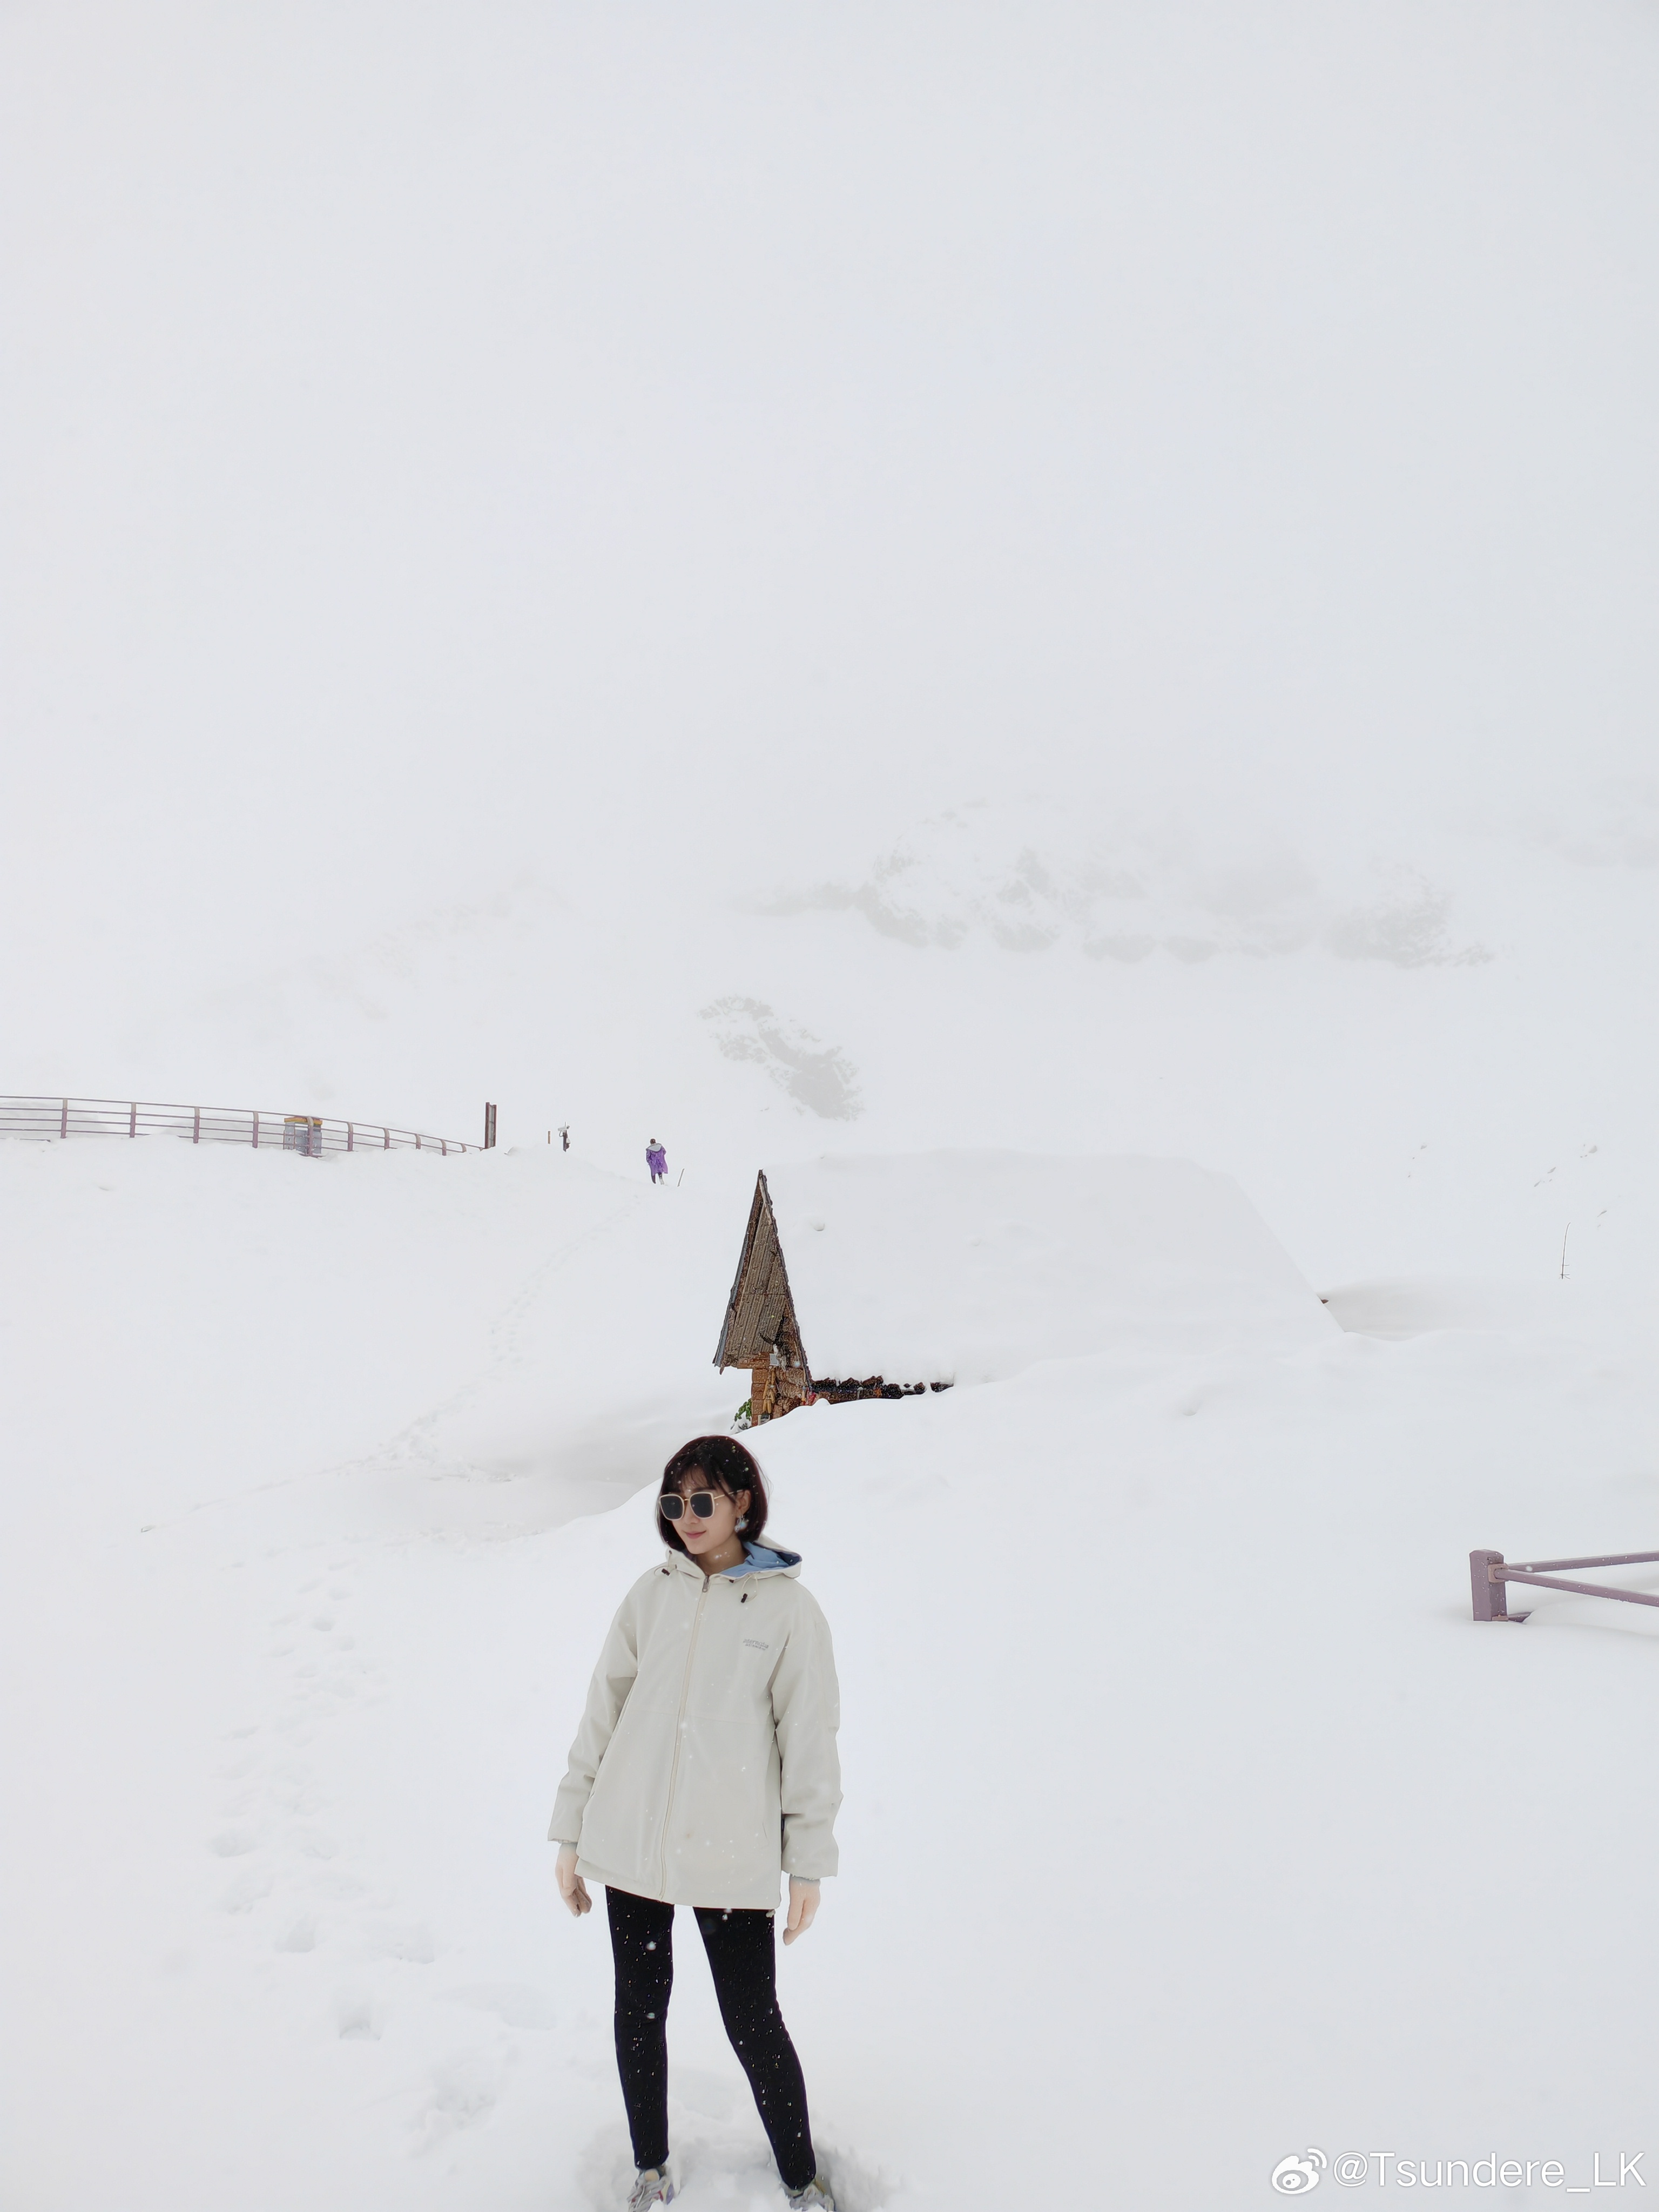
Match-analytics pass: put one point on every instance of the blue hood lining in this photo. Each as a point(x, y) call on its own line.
point(760, 1556)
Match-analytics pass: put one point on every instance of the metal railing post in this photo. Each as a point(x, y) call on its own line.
point(196, 1130)
point(63, 1125)
point(1489, 1600)
point(132, 1119)
point(348, 1136)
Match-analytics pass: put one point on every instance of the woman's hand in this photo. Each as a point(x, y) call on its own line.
point(572, 1888)
point(803, 1908)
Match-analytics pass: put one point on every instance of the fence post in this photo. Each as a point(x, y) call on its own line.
point(195, 1128)
point(348, 1136)
point(256, 1129)
point(490, 1126)
point(132, 1119)
point(1491, 1602)
point(63, 1125)
point(387, 1133)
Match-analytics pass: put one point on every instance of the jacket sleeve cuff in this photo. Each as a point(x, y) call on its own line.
point(570, 1807)
point(819, 1864)
point(811, 1858)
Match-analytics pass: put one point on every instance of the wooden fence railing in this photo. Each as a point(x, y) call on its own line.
point(310, 1135)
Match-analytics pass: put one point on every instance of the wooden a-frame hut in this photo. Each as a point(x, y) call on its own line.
point(763, 1333)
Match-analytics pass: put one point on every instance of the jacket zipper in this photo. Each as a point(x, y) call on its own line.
point(679, 1730)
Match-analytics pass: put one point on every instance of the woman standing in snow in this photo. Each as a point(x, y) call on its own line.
point(704, 1768)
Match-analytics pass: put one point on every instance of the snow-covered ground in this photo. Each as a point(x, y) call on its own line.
point(1189, 1820)
point(856, 580)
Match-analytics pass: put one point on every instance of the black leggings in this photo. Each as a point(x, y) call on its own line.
point(743, 1963)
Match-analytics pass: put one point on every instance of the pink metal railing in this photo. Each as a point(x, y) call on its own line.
point(1489, 1572)
point(310, 1135)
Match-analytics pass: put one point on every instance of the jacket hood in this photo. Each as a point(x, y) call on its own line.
point(760, 1559)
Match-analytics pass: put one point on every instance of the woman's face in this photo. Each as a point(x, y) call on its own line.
point(701, 1537)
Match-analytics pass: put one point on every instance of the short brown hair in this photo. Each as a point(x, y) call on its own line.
point(724, 1464)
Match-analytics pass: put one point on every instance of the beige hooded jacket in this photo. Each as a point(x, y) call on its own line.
point(705, 1766)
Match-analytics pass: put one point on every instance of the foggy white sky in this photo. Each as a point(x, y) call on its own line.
point(439, 441)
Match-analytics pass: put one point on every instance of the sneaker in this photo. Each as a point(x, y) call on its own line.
point(815, 2198)
point(651, 2185)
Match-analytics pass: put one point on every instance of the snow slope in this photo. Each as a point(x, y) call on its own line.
point(1189, 1820)
point(1071, 581)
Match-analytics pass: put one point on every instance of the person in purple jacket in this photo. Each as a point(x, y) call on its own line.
point(656, 1160)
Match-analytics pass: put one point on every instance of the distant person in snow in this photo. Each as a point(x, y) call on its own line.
point(720, 1651)
point(564, 1136)
point(656, 1160)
